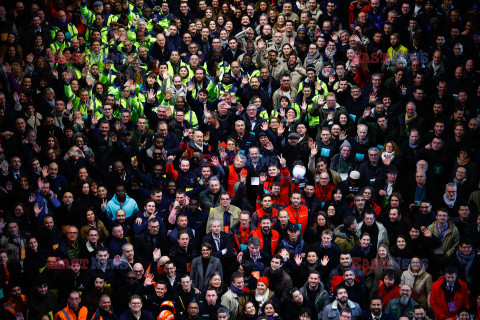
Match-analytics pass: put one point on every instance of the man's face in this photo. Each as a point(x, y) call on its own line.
point(254, 250)
point(349, 277)
point(419, 314)
point(74, 301)
point(342, 296)
point(376, 306)
point(296, 199)
point(345, 260)
point(451, 192)
point(135, 305)
point(275, 264)
point(466, 249)
point(360, 202)
point(128, 252)
point(313, 280)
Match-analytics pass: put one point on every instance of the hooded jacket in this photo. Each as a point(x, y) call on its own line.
point(129, 206)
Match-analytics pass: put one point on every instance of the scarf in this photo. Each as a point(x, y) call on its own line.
point(411, 145)
point(409, 119)
point(309, 59)
point(239, 292)
point(330, 54)
point(465, 260)
point(286, 89)
point(362, 142)
point(448, 202)
point(463, 162)
point(262, 299)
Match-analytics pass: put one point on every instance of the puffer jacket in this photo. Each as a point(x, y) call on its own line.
point(345, 242)
point(421, 284)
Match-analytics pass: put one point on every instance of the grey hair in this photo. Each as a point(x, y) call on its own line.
point(373, 149)
point(214, 220)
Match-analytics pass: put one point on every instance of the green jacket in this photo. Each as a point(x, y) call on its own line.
point(450, 242)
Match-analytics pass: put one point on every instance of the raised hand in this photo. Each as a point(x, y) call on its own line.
point(32, 197)
point(103, 206)
point(215, 161)
point(156, 254)
point(280, 129)
point(314, 150)
point(283, 161)
point(148, 280)
point(37, 210)
point(324, 261)
point(298, 259)
point(243, 177)
point(171, 158)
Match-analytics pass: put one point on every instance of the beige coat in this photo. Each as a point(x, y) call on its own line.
point(217, 213)
point(421, 284)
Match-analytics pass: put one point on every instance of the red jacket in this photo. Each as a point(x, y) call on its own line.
point(438, 302)
point(273, 241)
point(387, 294)
point(324, 193)
point(298, 216)
point(284, 183)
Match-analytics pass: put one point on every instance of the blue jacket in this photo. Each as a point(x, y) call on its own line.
point(47, 205)
point(130, 207)
point(128, 315)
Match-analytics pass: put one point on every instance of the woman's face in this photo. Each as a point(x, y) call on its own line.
point(51, 142)
point(82, 174)
point(321, 220)
point(284, 103)
point(337, 196)
point(291, 113)
point(212, 26)
point(287, 50)
point(85, 188)
point(269, 310)
point(389, 147)
point(102, 192)
point(74, 85)
point(208, 14)
point(263, 6)
point(3, 258)
point(230, 145)
point(415, 263)
point(11, 51)
point(206, 253)
point(394, 202)
point(367, 194)
point(99, 89)
point(220, 20)
point(19, 211)
point(229, 26)
point(79, 142)
point(223, 35)
point(365, 241)
point(331, 211)
point(382, 252)
point(274, 124)
point(257, 102)
point(36, 165)
point(250, 309)
point(272, 15)
point(343, 119)
point(60, 37)
point(23, 183)
point(11, 38)
point(263, 20)
point(33, 244)
point(401, 244)
point(216, 281)
point(183, 72)
point(261, 288)
point(281, 20)
point(312, 257)
point(90, 216)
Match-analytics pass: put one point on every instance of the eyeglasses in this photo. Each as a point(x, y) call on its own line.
point(73, 299)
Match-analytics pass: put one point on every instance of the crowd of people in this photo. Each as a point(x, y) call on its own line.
point(244, 160)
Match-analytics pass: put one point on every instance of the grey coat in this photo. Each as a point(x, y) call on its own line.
point(197, 274)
